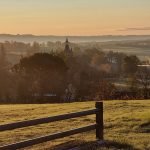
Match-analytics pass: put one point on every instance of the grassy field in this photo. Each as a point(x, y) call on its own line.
point(127, 125)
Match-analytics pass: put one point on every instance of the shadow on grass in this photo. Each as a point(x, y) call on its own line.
point(69, 145)
point(145, 127)
point(97, 145)
point(114, 145)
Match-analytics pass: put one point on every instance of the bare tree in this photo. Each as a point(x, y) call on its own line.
point(143, 76)
point(106, 90)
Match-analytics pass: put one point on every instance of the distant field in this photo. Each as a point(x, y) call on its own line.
point(142, 53)
point(127, 124)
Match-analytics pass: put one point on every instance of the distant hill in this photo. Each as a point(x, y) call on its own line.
point(28, 38)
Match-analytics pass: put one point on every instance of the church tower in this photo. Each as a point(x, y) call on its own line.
point(68, 50)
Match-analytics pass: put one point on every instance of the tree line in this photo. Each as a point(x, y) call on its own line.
point(42, 77)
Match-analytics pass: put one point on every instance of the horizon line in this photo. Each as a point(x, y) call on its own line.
point(75, 35)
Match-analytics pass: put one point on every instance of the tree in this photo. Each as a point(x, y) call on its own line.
point(35, 48)
point(131, 64)
point(143, 76)
point(116, 60)
point(5, 80)
point(41, 74)
point(105, 90)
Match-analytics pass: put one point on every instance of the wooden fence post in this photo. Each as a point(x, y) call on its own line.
point(99, 121)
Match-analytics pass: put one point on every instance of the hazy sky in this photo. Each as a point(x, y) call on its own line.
point(75, 17)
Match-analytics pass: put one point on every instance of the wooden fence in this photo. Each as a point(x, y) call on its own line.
point(98, 126)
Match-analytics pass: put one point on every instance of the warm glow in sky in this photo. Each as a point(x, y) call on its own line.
point(75, 17)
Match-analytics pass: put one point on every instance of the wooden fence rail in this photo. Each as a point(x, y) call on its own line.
point(98, 126)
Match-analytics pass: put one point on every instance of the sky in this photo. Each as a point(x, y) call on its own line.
point(75, 17)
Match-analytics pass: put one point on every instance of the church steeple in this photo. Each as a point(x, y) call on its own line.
point(67, 40)
point(67, 50)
